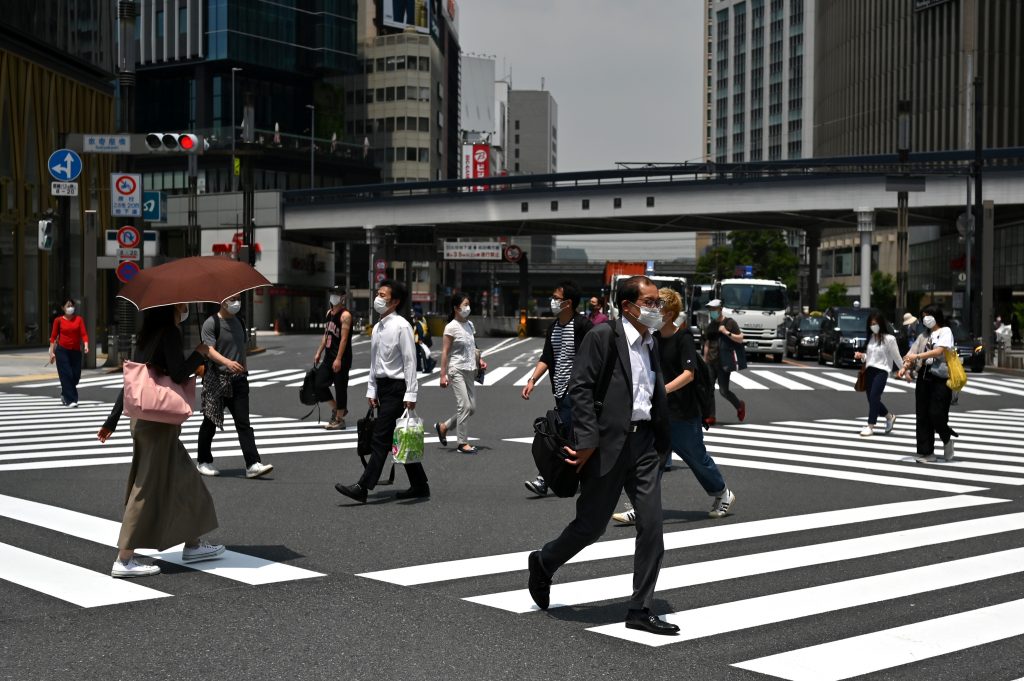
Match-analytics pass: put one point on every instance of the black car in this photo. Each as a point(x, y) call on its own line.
point(802, 337)
point(844, 331)
point(971, 350)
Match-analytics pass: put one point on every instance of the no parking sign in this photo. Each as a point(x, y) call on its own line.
point(126, 195)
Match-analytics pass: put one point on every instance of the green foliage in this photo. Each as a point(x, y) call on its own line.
point(765, 250)
point(329, 100)
point(834, 296)
point(883, 293)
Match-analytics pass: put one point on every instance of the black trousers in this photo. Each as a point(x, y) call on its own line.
point(638, 471)
point(238, 405)
point(325, 377)
point(722, 376)
point(931, 401)
point(390, 394)
point(69, 370)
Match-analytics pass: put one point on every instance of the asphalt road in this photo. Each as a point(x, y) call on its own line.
point(842, 558)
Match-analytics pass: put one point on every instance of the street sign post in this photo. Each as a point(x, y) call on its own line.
point(127, 270)
point(154, 206)
point(129, 254)
point(126, 195)
point(63, 189)
point(128, 237)
point(64, 165)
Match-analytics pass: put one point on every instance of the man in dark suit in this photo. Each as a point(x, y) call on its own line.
point(623, 447)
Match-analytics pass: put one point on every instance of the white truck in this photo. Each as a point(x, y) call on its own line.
point(677, 284)
point(759, 307)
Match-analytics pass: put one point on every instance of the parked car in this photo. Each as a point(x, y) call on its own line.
point(802, 337)
point(971, 350)
point(844, 331)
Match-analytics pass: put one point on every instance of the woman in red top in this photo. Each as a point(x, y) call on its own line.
point(67, 342)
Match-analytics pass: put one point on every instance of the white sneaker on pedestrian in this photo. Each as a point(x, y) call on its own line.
point(207, 469)
point(722, 505)
point(947, 450)
point(258, 469)
point(133, 567)
point(627, 517)
point(73, 405)
point(925, 459)
point(202, 551)
point(867, 431)
point(890, 421)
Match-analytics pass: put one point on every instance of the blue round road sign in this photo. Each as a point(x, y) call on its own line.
point(65, 165)
point(126, 270)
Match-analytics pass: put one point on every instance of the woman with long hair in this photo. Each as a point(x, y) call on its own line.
point(166, 502)
point(458, 369)
point(932, 396)
point(881, 354)
point(68, 341)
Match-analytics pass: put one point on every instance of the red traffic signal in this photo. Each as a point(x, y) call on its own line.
point(180, 142)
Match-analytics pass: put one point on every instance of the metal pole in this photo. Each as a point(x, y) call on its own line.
point(234, 177)
point(865, 225)
point(903, 112)
point(312, 126)
point(348, 270)
point(968, 256)
point(979, 244)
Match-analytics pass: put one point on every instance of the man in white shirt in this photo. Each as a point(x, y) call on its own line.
point(391, 389)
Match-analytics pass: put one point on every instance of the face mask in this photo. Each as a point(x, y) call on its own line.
point(875, 328)
point(69, 310)
point(928, 321)
point(556, 305)
point(464, 311)
point(184, 316)
point(234, 306)
point(714, 314)
point(652, 319)
point(380, 305)
point(335, 300)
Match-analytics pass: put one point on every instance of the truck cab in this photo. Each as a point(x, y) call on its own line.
point(677, 284)
point(759, 307)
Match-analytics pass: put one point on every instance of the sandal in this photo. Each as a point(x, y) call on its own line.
point(467, 449)
point(440, 435)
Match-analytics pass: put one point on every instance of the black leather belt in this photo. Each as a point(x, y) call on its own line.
point(637, 425)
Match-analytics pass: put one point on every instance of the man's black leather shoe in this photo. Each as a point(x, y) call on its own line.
point(540, 582)
point(414, 493)
point(645, 621)
point(356, 491)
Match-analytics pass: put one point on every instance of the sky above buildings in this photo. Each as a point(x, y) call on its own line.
point(626, 75)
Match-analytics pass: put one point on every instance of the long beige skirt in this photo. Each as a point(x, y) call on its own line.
point(166, 502)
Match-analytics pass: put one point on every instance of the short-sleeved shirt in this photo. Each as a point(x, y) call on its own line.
point(939, 338)
point(713, 335)
point(677, 355)
point(332, 335)
point(564, 343)
point(462, 355)
point(231, 343)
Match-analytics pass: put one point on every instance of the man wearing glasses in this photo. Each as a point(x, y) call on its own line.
point(624, 445)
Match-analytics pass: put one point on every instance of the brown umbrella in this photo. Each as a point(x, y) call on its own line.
point(204, 279)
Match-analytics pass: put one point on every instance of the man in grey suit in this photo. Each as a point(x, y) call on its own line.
point(623, 445)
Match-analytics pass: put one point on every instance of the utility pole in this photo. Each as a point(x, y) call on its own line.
point(126, 57)
point(312, 143)
point(903, 111)
point(234, 131)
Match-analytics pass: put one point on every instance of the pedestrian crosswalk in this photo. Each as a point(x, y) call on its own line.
point(516, 373)
point(861, 570)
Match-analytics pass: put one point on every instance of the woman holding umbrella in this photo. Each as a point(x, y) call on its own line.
point(166, 502)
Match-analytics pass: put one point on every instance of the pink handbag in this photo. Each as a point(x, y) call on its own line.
point(152, 396)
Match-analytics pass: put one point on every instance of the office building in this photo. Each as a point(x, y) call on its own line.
point(485, 111)
point(534, 118)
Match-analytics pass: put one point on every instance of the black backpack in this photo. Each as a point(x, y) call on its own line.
point(307, 393)
point(703, 387)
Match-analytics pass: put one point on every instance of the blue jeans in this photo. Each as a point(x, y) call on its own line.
point(875, 380)
point(688, 442)
point(564, 406)
point(69, 369)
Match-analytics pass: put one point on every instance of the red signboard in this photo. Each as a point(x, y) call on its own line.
point(476, 163)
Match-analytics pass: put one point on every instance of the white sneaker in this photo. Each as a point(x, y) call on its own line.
point(133, 568)
point(73, 405)
point(890, 421)
point(947, 450)
point(627, 517)
point(203, 551)
point(207, 469)
point(867, 431)
point(722, 505)
point(925, 459)
point(258, 469)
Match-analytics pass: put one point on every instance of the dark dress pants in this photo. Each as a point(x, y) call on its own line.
point(238, 405)
point(638, 471)
point(390, 394)
point(931, 399)
point(69, 369)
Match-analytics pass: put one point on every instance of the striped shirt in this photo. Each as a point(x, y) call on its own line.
point(562, 340)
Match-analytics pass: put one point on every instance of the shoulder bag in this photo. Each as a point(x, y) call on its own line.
point(153, 396)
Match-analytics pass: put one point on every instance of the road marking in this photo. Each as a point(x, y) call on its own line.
point(742, 381)
point(814, 378)
point(492, 376)
point(993, 384)
point(781, 380)
point(780, 607)
point(617, 548)
point(853, 379)
point(723, 569)
point(894, 647)
point(238, 567)
point(526, 379)
point(69, 582)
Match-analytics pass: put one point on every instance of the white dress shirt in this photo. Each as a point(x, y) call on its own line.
point(640, 347)
point(883, 355)
point(393, 355)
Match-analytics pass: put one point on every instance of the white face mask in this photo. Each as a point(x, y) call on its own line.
point(875, 328)
point(183, 316)
point(234, 306)
point(69, 310)
point(556, 306)
point(928, 321)
point(380, 305)
point(335, 300)
point(652, 319)
point(464, 311)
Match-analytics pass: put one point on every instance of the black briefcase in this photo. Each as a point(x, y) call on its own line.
point(549, 439)
point(364, 439)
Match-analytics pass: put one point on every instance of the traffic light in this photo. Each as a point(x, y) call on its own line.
point(175, 142)
point(46, 235)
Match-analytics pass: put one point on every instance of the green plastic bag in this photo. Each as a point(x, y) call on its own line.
point(407, 443)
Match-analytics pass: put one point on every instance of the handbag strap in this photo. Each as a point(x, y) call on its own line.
point(606, 374)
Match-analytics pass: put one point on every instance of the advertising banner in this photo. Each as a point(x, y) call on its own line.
point(402, 13)
point(476, 162)
point(473, 250)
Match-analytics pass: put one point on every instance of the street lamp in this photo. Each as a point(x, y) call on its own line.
point(312, 125)
point(234, 70)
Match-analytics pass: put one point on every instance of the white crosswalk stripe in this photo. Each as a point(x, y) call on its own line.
point(835, 444)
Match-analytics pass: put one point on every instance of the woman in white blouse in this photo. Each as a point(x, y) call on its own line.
point(458, 369)
point(879, 357)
